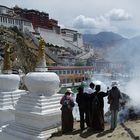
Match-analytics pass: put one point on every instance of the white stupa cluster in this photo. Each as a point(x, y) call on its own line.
point(32, 114)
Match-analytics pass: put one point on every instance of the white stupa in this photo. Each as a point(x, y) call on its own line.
point(37, 113)
point(9, 90)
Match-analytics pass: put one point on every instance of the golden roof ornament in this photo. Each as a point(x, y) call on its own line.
point(41, 60)
point(7, 61)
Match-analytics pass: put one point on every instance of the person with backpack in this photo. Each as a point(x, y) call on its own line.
point(67, 103)
point(97, 120)
point(113, 99)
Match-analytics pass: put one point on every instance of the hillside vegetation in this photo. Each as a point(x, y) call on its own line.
point(22, 48)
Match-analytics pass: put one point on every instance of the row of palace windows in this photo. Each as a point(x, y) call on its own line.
point(14, 21)
point(10, 20)
point(59, 72)
point(71, 80)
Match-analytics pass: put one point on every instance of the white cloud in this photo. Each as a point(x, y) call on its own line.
point(101, 23)
point(86, 22)
point(93, 25)
point(118, 14)
point(62, 25)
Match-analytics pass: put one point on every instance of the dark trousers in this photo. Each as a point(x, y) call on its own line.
point(87, 117)
point(82, 118)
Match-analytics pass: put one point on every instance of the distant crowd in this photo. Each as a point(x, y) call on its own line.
point(90, 101)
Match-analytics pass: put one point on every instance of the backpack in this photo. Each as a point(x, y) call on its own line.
point(110, 99)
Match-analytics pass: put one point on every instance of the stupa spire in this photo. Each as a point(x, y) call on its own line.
point(41, 60)
point(7, 61)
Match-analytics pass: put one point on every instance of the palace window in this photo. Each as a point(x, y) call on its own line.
point(68, 71)
point(64, 72)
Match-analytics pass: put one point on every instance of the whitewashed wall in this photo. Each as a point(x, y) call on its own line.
point(67, 44)
point(51, 37)
point(61, 40)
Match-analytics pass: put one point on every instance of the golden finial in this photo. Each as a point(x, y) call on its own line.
point(7, 61)
point(41, 50)
point(41, 61)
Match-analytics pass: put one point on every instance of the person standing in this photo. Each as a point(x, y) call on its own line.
point(113, 99)
point(81, 101)
point(97, 114)
point(67, 103)
point(88, 91)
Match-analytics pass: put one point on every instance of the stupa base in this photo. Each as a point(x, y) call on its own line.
point(28, 133)
point(7, 104)
point(36, 117)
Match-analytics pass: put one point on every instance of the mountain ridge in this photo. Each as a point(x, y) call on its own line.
point(103, 39)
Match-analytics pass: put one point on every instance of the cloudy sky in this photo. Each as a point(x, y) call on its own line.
point(90, 16)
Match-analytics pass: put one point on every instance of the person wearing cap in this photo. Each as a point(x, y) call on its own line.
point(67, 103)
point(113, 99)
point(69, 90)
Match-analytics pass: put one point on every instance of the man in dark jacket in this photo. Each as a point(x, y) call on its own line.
point(113, 99)
point(81, 99)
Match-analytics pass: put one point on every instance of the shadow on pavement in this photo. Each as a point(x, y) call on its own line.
point(129, 131)
point(104, 133)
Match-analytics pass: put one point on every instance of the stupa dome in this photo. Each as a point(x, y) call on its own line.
point(42, 83)
point(9, 82)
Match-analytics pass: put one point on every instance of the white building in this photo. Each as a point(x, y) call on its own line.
point(9, 19)
point(5, 10)
point(72, 36)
